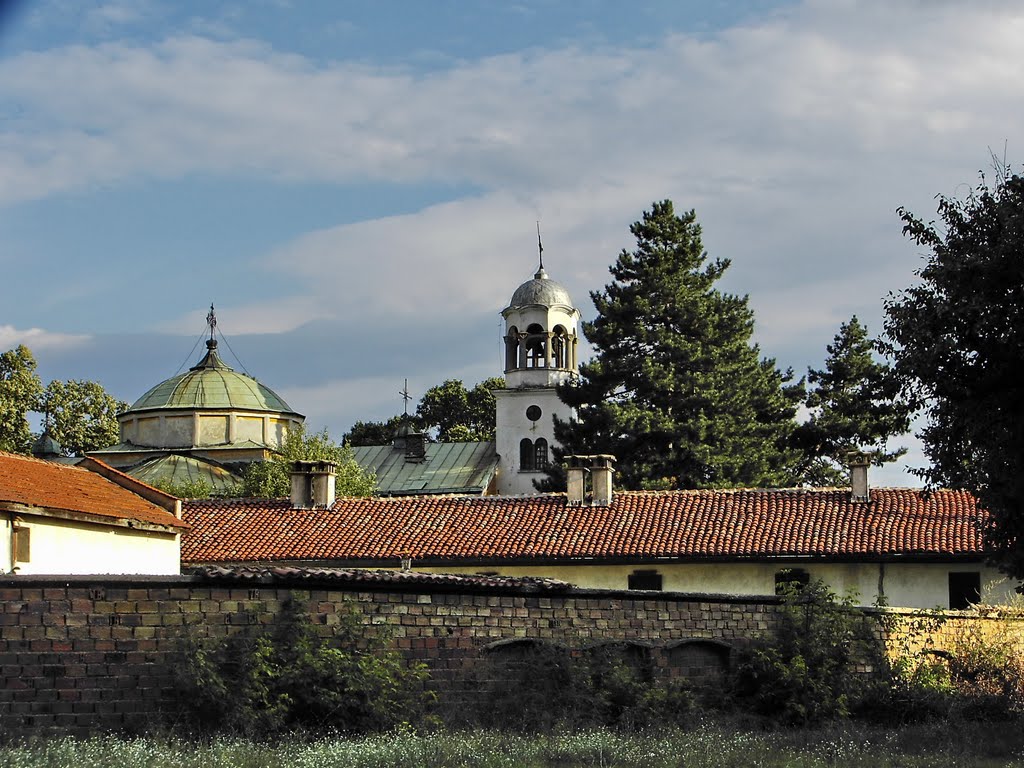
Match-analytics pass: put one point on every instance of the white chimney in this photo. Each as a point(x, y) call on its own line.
point(601, 471)
point(576, 480)
point(859, 462)
point(313, 484)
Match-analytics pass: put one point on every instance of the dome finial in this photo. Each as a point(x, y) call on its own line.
point(211, 321)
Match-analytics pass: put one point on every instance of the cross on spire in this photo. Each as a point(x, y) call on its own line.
point(540, 247)
point(404, 392)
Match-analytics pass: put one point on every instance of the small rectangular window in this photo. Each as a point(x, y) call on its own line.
point(22, 545)
point(645, 580)
point(790, 580)
point(964, 589)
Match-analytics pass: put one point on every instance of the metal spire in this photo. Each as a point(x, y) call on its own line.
point(211, 320)
point(540, 248)
point(404, 392)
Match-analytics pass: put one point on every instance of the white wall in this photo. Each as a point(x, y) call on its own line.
point(71, 547)
point(906, 585)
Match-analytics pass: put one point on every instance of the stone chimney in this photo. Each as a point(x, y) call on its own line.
point(601, 471)
point(859, 462)
point(416, 447)
point(313, 484)
point(576, 470)
point(599, 468)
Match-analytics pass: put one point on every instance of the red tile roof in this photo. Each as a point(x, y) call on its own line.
point(688, 524)
point(30, 482)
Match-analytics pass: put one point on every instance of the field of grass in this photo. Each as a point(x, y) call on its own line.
point(710, 746)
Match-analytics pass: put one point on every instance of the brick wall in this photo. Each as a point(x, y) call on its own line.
point(80, 654)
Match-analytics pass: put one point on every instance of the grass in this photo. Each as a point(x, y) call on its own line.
point(940, 745)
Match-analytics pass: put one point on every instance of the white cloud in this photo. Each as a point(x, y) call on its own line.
point(37, 338)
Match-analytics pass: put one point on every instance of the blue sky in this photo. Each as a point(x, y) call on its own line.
point(355, 185)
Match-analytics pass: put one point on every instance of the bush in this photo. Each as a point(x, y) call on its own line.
point(814, 666)
point(263, 684)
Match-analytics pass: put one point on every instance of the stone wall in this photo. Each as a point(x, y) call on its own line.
point(87, 654)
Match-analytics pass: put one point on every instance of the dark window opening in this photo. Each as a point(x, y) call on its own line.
point(536, 347)
point(525, 455)
point(791, 580)
point(645, 580)
point(964, 590)
point(512, 349)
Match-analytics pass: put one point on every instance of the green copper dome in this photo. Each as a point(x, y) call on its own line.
point(211, 384)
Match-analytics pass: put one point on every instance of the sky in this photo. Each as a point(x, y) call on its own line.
point(356, 186)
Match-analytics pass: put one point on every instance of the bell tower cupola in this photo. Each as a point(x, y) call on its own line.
point(540, 347)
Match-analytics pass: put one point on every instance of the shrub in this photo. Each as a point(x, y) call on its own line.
point(263, 683)
point(813, 667)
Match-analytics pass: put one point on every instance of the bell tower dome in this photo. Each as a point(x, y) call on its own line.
point(541, 339)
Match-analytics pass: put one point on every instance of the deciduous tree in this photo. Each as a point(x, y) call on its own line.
point(81, 415)
point(677, 391)
point(20, 389)
point(957, 340)
point(460, 414)
point(854, 404)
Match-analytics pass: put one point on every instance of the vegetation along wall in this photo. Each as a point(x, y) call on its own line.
point(86, 654)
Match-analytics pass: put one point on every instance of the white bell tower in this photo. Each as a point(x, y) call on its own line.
point(541, 338)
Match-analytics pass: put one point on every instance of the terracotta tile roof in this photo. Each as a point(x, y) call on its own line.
point(688, 524)
point(379, 578)
point(35, 483)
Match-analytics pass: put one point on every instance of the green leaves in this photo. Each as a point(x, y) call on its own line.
point(20, 389)
point(677, 391)
point(957, 339)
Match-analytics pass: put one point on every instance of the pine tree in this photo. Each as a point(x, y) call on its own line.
point(676, 390)
point(855, 405)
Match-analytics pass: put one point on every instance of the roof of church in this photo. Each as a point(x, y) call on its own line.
point(211, 383)
point(175, 469)
point(445, 468)
point(714, 524)
point(540, 290)
point(46, 486)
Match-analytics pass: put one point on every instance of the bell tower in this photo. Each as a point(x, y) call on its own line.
point(541, 339)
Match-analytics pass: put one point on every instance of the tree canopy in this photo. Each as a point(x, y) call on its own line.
point(272, 479)
point(20, 389)
point(957, 339)
point(449, 410)
point(676, 390)
point(854, 404)
point(80, 415)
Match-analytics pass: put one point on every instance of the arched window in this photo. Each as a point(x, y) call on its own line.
point(536, 346)
point(560, 348)
point(540, 454)
point(526, 455)
point(512, 349)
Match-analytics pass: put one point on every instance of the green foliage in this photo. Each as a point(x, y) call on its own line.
point(272, 479)
point(458, 414)
point(82, 416)
point(190, 489)
point(677, 391)
point(543, 687)
point(374, 432)
point(807, 671)
point(957, 339)
point(20, 389)
point(855, 405)
point(267, 683)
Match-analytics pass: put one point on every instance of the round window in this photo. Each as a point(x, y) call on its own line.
point(533, 413)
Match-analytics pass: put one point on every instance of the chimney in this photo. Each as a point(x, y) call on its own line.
point(858, 462)
point(601, 471)
point(576, 479)
point(313, 484)
point(415, 447)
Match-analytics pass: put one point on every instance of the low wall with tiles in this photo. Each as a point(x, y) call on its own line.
point(83, 655)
